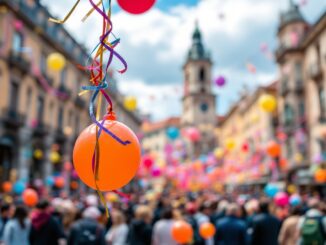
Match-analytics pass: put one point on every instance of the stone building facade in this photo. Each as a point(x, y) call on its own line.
point(40, 110)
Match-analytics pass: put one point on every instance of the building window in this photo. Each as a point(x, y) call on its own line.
point(77, 124)
point(301, 109)
point(288, 115)
point(63, 76)
point(17, 42)
point(289, 149)
point(14, 92)
point(28, 104)
point(43, 64)
point(51, 113)
point(40, 108)
point(202, 75)
point(322, 100)
point(60, 117)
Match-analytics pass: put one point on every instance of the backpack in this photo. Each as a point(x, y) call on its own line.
point(88, 234)
point(312, 231)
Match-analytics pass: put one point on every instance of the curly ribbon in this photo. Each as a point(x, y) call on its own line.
point(98, 80)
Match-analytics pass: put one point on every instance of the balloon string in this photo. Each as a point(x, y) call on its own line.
point(67, 16)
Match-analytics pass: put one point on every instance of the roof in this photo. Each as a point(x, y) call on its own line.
point(293, 14)
point(155, 126)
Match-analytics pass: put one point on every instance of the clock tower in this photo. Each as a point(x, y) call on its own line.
point(198, 98)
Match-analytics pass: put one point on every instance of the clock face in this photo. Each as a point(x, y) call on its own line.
point(204, 107)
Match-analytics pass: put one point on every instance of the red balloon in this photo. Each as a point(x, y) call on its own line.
point(273, 149)
point(148, 161)
point(30, 197)
point(245, 147)
point(136, 7)
point(59, 182)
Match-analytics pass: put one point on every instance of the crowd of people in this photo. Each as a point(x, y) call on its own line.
point(148, 220)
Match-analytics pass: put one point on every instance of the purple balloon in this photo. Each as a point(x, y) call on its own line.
point(220, 81)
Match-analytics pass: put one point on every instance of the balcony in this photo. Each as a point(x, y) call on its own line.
point(284, 49)
point(79, 102)
point(299, 86)
point(315, 71)
point(12, 118)
point(16, 59)
point(63, 89)
point(284, 88)
point(40, 130)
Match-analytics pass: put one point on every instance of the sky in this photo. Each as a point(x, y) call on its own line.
point(155, 45)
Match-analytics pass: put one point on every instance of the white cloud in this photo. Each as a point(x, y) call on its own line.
point(155, 43)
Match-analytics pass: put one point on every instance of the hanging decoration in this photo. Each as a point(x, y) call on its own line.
point(30, 197)
point(130, 103)
point(173, 133)
point(220, 81)
point(6, 186)
point(106, 154)
point(207, 230)
point(182, 232)
point(273, 149)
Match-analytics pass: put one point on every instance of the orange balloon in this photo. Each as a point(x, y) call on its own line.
point(273, 149)
point(6, 186)
point(59, 182)
point(30, 197)
point(320, 176)
point(118, 163)
point(207, 230)
point(182, 232)
point(74, 185)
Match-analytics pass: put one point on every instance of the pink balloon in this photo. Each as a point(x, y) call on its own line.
point(156, 172)
point(193, 134)
point(281, 199)
point(18, 25)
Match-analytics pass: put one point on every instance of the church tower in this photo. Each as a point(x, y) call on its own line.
point(198, 99)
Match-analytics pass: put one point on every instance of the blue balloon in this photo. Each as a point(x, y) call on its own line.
point(19, 187)
point(295, 200)
point(203, 158)
point(271, 190)
point(173, 133)
point(49, 181)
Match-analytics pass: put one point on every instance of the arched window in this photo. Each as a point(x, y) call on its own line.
point(202, 75)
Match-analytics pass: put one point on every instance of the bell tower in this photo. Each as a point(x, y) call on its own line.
point(198, 99)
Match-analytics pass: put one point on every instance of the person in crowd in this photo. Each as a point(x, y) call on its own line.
point(288, 234)
point(162, 228)
point(4, 218)
point(87, 230)
point(17, 229)
point(117, 235)
point(231, 229)
point(45, 229)
point(202, 216)
point(312, 226)
point(265, 226)
point(140, 230)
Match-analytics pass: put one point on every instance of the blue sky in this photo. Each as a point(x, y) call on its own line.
point(155, 45)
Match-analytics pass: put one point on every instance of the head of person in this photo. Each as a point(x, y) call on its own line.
point(20, 214)
point(264, 206)
point(43, 206)
point(167, 213)
point(223, 204)
point(233, 209)
point(91, 213)
point(143, 213)
point(296, 210)
point(117, 218)
point(5, 211)
point(314, 203)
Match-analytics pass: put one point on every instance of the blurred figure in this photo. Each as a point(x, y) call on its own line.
point(5, 216)
point(162, 228)
point(288, 234)
point(312, 226)
point(202, 216)
point(117, 235)
point(231, 229)
point(140, 230)
point(17, 229)
point(87, 230)
point(265, 226)
point(45, 229)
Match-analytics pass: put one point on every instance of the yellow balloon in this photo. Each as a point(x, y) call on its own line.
point(218, 152)
point(38, 154)
point(55, 157)
point(56, 61)
point(230, 144)
point(298, 158)
point(267, 102)
point(112, 197)
point(292, 189)
point(130, 103)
